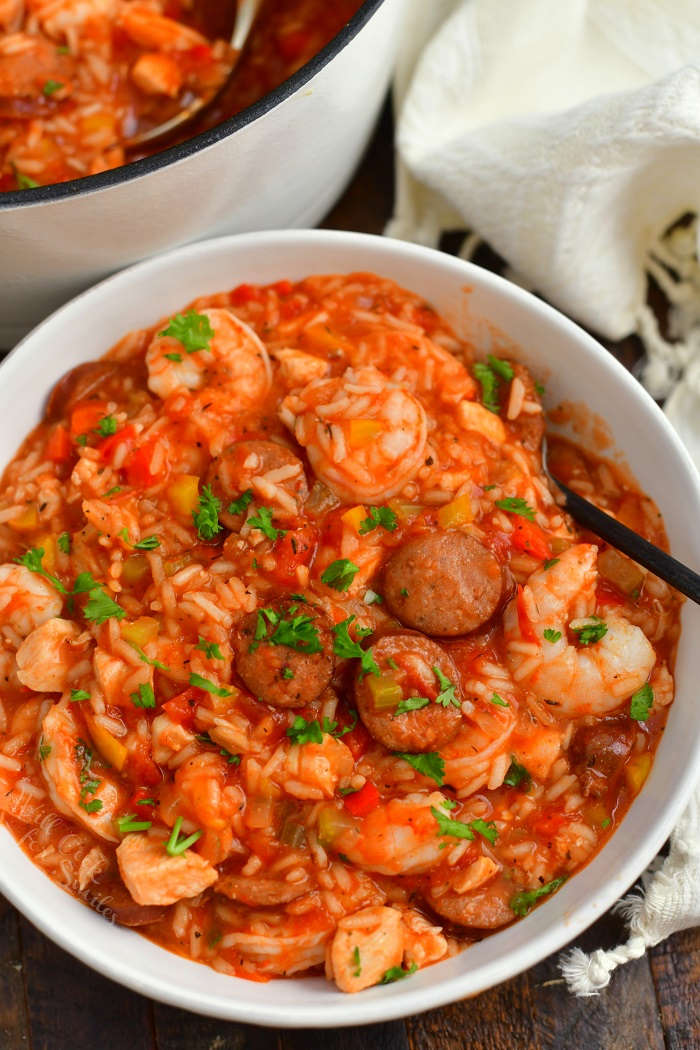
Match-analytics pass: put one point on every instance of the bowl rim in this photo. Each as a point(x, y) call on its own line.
point(136, 169)
point(405, 998)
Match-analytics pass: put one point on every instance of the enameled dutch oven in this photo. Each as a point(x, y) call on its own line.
point(282, 162)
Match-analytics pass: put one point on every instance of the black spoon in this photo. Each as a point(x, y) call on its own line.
point(630, 543)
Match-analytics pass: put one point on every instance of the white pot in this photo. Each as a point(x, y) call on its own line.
point(282, 162)
point(478, 304)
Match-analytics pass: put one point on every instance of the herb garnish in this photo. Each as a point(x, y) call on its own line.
point(340, 574)
point(516, 505)
point(237, 506)
point(210, 649)
point(347, 649)
point(129, 823)
point(51, 87)
point(208, 687)
point(550, 563)
point(191, 329)
point(100, 607)
point(174, 846)
point(413, 703)
point(523, 902)
point(297, 632)
point(429, 764)
point(87, 778)
point(303, 732)
point(396, 973)
point(64, 542)
point(489, 386)
point(77, 695)
point(498, 701)
point(590, 632)
point(517, 775)
point(263, 521)
point(446, 696)
point(641, 702)
point(550, 635)
point(144, 696)
point(357, 962)
point(206, 516)
point(106, 426)
point(383, 516)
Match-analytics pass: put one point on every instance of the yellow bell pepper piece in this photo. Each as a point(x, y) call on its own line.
point(27, 521)
point(140, 632)
point(636, 771)
point(135, 569)
point(364, 431)
point(183, 494)
point(47, 543)
point(354, 517)
point(111, 749)
point(331, 823)
point(321, 337)
point(456, 513)
point(386, 691)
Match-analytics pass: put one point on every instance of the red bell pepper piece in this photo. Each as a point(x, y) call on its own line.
point(362, 802)
point(527, 536)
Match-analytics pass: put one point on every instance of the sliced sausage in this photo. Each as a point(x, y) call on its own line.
point(284, 653)
point(262, 892)
point(114, 902)
point(485, 908)
point(410, 660)
point(271, 470)
point(443, 583)
point(599, 752)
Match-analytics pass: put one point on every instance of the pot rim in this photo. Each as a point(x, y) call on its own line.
point(59, 191)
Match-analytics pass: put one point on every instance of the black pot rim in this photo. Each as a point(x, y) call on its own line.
point(138, 168)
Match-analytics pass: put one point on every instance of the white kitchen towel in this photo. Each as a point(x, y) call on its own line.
point(566, 133)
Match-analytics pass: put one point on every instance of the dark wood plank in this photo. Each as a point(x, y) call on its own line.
point(675, 966)
point(368, 201)
point(179, 1030)
point(14, 1024)
point(623, 1017)
point(390, 1036)
point(500, 1019)
point(71, 1006)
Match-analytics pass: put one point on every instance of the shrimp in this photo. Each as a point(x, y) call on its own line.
point(92, 796)
point(200, 794)
point(152, 876)
point(364, 437)
point(272, 942)
point(399, 837)
point(47, 655)
point(157, 74)
point(423, 943)
point(234, 369)
point(421, 365)
point(364, 947)
point(314, 771)
point(11, 12)
point(26, 600)
point(579, 680)
point(149, 29)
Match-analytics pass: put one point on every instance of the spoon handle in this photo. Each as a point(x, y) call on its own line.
point(630, 543)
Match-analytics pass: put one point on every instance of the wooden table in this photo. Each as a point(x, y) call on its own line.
point(50, 1001)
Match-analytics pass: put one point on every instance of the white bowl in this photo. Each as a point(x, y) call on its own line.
point(475, 301)
point(282, 162)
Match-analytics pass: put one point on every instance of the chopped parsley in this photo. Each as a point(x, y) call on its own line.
point(25, 182)
point(303, 732)
point(191, 329)
point(485, 828)
point(64, 542)
point(106, 426)
point(177, 358)
point(539, 388)
point(263, 521)
point(100, 607)
point(147, 659)
point(498, 701)
point(129, 823)
point(640, 703)
point(331, 727)
point(81, 440)
point(237, 506)
point(377, 516)
point(340, 574)
point(345, 648)
point(32, 560)
point(550, 635)
point(144, 696)
point(51, 87)
point(550, 563)
point(210, 649)
point(112, 492)
point(357, 962)
point(206, 516)
point(447, 826)
point(397, 973)
point(44, 750)
point(208, 687)
point(429, 764)
point(148, 543)
point(77, 695)
point(524, 901)
point(413, 703)
point(591, 631)
point(446, 696)
point(605, 823)
point(296, 632)
point(176, 846)
point(516, 505)
point(287, 673)
point(489, 386)
point(517, 775)
point(502, 368)
point(233, 760)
